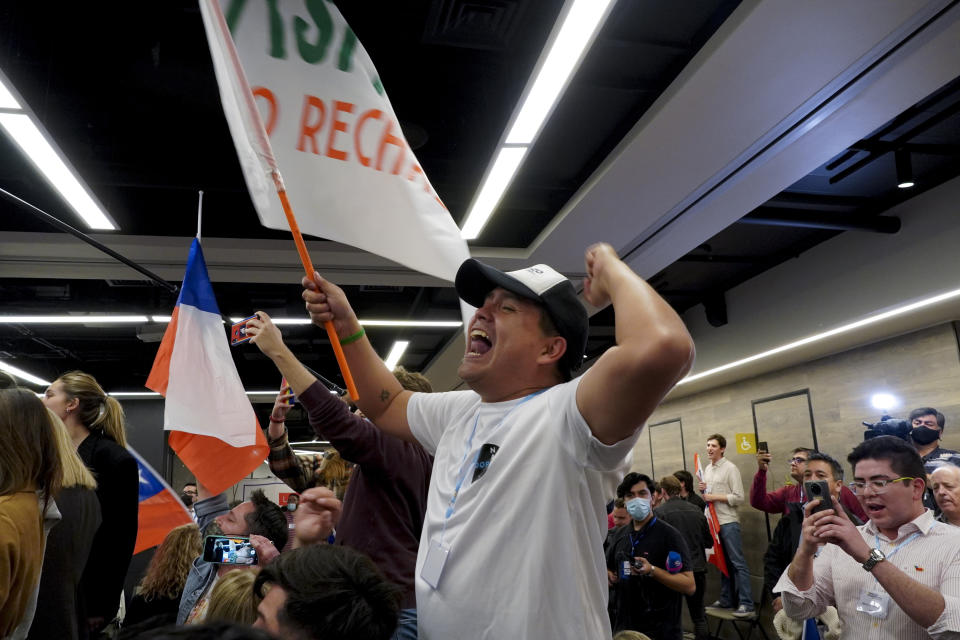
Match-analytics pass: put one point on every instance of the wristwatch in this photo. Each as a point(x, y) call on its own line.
point(875, 557)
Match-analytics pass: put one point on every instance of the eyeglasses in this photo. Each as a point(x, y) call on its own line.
point(797, 459)
point(878, 486)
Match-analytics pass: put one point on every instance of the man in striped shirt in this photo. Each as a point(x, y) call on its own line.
point(898, 576)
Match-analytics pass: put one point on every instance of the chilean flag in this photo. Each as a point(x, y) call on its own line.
point(214, 429)
point(160, 508)
point(715, 556)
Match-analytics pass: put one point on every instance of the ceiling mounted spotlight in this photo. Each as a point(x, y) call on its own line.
point(904, 168)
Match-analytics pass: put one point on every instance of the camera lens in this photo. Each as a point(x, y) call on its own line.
point(814, 488)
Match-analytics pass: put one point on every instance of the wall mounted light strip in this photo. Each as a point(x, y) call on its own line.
point(141, 319)
point(879, 317)
point(23, 127)
point(557, 65)
point(23, 375)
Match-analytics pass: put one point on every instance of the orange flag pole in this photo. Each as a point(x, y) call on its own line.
point(308, 267)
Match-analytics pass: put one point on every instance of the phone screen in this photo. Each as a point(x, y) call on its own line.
point(229, 550)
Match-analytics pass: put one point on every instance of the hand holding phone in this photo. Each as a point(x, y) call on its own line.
point(235, 550)
point(818, 489)
point(238, 332)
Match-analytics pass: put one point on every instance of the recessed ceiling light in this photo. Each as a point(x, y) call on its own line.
point(426, 324)
point(883, 401)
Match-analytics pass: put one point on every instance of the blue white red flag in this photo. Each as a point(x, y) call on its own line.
point(214, 428)
point(160, 508)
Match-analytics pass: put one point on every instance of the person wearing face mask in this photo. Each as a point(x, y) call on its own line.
point(927, 428)
point(648, 567)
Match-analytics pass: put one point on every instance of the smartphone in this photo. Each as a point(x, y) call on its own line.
point(818, 489)
point(283, 384)
point(238, 332)
point(229, 550)
point(762, 447)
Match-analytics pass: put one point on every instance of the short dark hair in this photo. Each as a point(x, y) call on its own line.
point(835, 466)
point(565, 365)
point(903, 458)
point(671, 485)
point(685, 477)
point(720, 440)
point(188, 484)
point(806, 450)
point(927, 411)
point(619, 503)
point(631, 479)
point(267, 520)
point(332, 592)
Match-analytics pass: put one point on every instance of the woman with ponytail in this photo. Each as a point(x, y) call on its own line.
point(94, 421)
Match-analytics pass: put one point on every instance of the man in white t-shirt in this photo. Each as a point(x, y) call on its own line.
point(525, 460)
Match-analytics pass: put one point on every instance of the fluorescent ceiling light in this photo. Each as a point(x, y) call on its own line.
point(370, 323)
point(412, 323)
point(161, 318)
point(886, 315)
point(133, 394)
point(7, 101)
point(45, 158)
point(494, 186)
point(575, 34)
point(23, 375)
point(396, 353)
point(78, 319)
point(154, 394)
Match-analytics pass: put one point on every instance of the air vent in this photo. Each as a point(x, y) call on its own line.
point(472, 24)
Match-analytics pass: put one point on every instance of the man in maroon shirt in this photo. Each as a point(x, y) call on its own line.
point(383, 508)
point(776, 501)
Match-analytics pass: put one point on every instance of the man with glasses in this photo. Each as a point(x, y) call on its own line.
point(778, 501)
point(898, 576)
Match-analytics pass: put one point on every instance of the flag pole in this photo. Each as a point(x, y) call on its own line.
point(308, 267)
point(266, 154)
point(199, 213)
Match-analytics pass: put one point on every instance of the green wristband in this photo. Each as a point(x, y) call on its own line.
point(353, 338)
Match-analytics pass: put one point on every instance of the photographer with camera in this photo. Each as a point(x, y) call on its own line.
point(648, 567)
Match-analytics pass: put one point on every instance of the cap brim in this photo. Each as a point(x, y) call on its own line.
point(475, 280)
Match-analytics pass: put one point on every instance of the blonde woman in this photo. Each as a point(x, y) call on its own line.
point(60, 602)
point(159, 592)
point(30, 477)
point(232, 598)
point(95, 423)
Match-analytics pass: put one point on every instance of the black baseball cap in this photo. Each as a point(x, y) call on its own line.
point(542, 284)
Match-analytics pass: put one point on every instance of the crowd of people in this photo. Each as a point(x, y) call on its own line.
point(480, 513)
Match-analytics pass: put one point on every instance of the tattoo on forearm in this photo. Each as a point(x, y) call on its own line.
point(384, 394)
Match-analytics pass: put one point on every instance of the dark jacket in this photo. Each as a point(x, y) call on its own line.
point(61, 608)
point(692, 523)
point(118, 490)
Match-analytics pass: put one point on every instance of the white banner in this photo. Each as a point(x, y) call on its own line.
point(349, 172)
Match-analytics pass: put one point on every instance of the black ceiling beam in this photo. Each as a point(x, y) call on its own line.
point(794, 200)
point(833, 222)
point(899, 142)
point(913, 147)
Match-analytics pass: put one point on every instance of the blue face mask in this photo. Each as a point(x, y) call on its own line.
point(639, 509)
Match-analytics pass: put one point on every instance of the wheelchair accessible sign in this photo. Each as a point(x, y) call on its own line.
point(746, 443)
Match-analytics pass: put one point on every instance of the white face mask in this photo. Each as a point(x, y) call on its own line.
point(638, 508)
